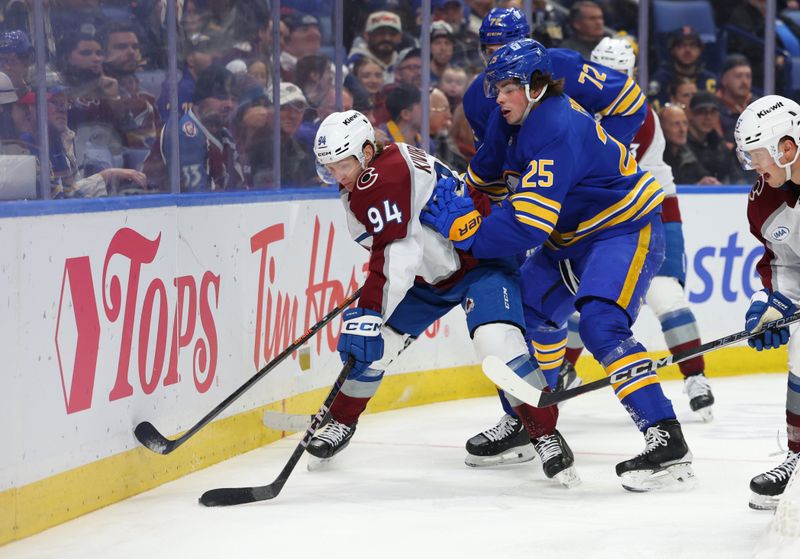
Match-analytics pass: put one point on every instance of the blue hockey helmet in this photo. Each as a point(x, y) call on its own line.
point(503, 25)
point(518, 60)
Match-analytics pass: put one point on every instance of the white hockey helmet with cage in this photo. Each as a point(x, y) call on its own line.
point(762, 125)
point(616, 53)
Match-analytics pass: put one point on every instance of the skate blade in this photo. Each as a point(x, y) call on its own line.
point(568, 478)
point(516, 455)
point(315, 463)
point(764, 502)
point(706, 414)
point(643, 481)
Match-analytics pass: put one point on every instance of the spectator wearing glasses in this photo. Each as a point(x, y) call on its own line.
point(441, 119)
point(409, 68)
point(208, 156)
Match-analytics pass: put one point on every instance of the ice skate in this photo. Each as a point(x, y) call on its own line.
point(701, 399)
point(328, 442)
point(768, 487)
point(557, 459)
point(505, 443)
point(568, 377)
point(665, 459)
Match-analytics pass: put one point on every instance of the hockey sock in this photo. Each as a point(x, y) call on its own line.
point(355, 395)
point(574, 342)
point(537, 421)
point(681, 333)
point(793, 412)
point(549, 345)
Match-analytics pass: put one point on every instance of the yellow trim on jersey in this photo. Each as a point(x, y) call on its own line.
point(527, 220)
point(634, 386)
point(539, 199)
point(534, 209)
point(640, 201)
point(629, 100)
point(635, 269)
point(476, 181)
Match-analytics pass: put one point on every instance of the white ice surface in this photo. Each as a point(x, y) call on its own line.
point(401, 490)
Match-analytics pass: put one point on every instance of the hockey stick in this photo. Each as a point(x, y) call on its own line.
point(280, 421)
point(240, 495)
point(151, 438)
point(504, 377)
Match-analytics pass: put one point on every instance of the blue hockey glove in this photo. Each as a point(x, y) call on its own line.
point(453, 216)
point(766, 307)
point(361, 338)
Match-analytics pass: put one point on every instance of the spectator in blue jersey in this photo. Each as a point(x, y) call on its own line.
point(405, 109)
point(586, 27)
point(686, 51)
point(590, 219)
point(200, 54)
point(208, 156)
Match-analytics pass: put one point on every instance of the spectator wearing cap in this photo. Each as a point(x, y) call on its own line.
point(707, 144)
point(441, 49)
point(208, 156)
point(586, 28)
point(200, 54)
point(304, 39)
point(735, 91)
point(547, 25)
point(405, 112)
point(409, 67)
point(466, 44)
point(297, 164)
point(685, 50)
point(136, 112)
point(686, 169)
point(16, 57)
point(383, 33)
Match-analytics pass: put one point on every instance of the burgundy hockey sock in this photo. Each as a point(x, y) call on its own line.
point(347, 409)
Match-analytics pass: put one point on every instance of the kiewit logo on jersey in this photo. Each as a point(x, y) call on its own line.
point(765, 112)
point(779, 233)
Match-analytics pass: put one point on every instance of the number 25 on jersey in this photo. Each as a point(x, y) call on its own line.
point(539, 174)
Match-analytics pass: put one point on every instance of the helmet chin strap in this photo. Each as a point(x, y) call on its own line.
point(531, 102)
point(788, 166)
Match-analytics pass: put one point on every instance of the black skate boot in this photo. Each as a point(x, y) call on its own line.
point(329, 441)
point(700, 396)
point(567, 377)
point(557, 458)
point(665, 456)
point(505, 443)
point(768, 487)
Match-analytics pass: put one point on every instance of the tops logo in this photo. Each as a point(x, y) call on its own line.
point(768, 110)
point(780, 233)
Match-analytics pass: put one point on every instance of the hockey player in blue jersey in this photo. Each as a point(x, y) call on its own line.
point(591, 219)
point(608, 95)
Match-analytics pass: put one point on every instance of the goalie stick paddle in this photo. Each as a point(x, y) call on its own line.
point(228, 496)
point(505, 377)
point(152, 439)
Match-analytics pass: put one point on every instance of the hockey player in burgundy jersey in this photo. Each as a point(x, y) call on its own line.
point(666, 296)
point(415, 276)
point(767, 139)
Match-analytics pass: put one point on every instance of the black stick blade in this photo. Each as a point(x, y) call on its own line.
point(228, 496)
point(151, 439)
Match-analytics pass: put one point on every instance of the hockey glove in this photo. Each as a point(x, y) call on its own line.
point(766, 307)
point(453, 216)
point(361, 338)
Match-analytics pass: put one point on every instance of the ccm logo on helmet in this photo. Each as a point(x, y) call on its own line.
point(765, 112)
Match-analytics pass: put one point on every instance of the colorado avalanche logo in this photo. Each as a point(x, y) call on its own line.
point(189, 129)
point(367, 178)
point(779, 233)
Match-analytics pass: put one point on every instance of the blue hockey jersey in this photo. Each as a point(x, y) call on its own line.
point(571, 182)
point(607, 93)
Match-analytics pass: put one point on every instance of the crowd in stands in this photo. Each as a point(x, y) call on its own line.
point(108, 100)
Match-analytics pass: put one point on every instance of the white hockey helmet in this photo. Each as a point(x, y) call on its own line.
point(341, 135)
point(8, 94)
point(762, 125)
point(616, 53)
